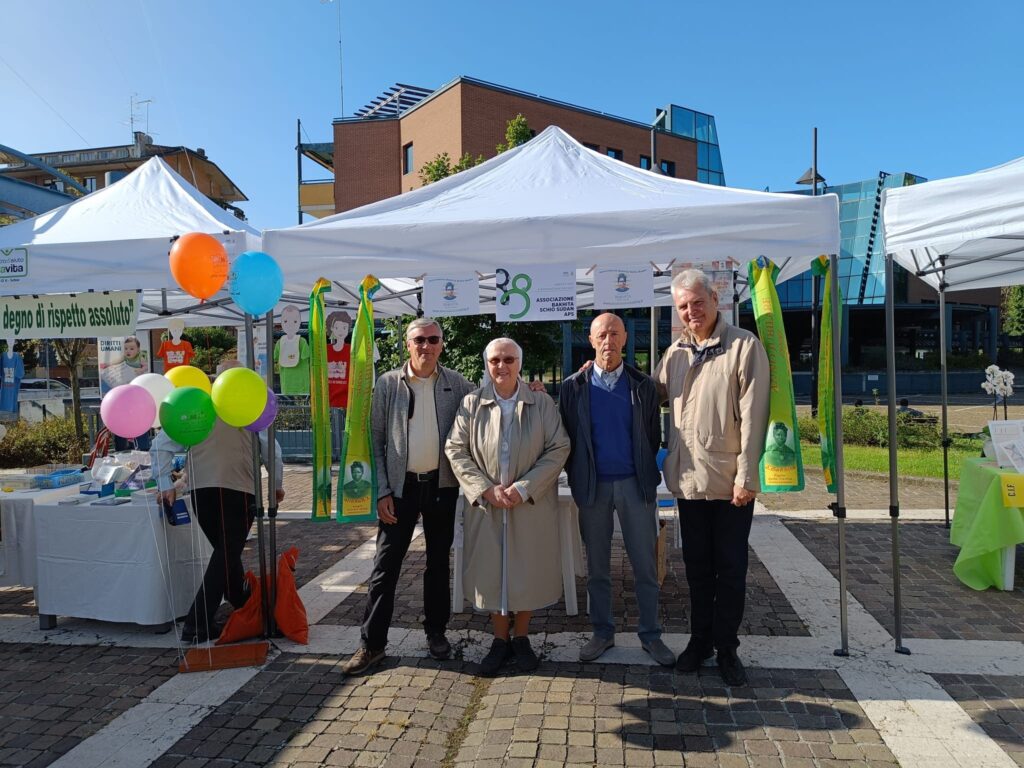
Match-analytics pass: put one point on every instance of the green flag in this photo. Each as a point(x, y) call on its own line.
point(319, 402)
point(782, 467)
point(357, 481)
point(826, 378)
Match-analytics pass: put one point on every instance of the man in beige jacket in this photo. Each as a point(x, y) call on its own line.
point(715, 377)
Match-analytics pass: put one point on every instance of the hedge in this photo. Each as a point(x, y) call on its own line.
point(862, 426)
point(51, 441)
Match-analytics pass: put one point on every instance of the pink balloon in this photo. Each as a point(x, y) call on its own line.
point(268, 415)
point(128, 411)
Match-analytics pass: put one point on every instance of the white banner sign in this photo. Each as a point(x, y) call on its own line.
point(67, 316)
point(535, 292)
point(626, 286)
point(452, 294)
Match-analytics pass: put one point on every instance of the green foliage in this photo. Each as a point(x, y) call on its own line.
point(517, 132)
point(466, 337)
point(866, 426)
point(211, 345)
point(1013, 310)
point(441, 167)
point(52, 441)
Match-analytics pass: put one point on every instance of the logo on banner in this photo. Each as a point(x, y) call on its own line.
point(13, 264)
point(521, 284)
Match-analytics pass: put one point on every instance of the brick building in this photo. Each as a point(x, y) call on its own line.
point(379, 152)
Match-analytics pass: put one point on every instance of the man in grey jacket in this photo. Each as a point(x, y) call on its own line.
point(611, 412)
point(413, 411)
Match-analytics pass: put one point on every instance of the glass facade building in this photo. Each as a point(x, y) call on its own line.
point(700, 127)
point(862, 245)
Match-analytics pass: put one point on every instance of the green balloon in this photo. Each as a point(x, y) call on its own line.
point(187, 415)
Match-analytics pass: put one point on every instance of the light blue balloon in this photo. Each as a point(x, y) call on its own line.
point(255, 282)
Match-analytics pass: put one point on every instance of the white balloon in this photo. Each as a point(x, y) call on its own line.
point(158, 387)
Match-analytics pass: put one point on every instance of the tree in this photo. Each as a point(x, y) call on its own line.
point(1013, 310)
point(517, 132)
point(69, 354)
point(441, 167)
point(211, 344)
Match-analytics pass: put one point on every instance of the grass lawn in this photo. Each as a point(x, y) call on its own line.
point(911, 462)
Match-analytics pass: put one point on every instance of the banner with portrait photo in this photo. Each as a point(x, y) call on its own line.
point(629, 285)
point(451, 295)
point(535, 292)
point(121, 359)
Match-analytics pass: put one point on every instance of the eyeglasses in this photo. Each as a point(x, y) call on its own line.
point(500, 360)
point(419, 341)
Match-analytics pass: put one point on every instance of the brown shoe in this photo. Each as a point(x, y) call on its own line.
point(362, 661)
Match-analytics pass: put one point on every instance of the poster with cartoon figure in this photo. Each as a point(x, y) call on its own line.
point(176, 350)
point(291, 354)
point(339, 355)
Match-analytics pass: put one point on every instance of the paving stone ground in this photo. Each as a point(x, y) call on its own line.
point(53, 698)
point(996, 703)
point(767, 612)
point(935, 603)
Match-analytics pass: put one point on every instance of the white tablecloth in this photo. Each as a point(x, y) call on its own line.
point(118, 563)
point(18, 549)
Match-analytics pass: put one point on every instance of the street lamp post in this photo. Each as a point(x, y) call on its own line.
point(813, 178)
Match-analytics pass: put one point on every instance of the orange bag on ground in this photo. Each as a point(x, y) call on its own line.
point(289, 612)
point(247, 621)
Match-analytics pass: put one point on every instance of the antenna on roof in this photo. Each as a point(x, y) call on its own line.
point(133, 105)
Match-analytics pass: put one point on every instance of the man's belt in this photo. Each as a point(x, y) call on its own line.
point(422, 477)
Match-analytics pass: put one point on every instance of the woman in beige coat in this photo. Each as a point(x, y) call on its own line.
point(507, 448)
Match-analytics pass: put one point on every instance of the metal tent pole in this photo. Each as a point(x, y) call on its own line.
point(943, 333)
point(815, 290)
point(839, 506)
point(257, 480)
point(894, 481)
point(654, 340)
point(271, 487)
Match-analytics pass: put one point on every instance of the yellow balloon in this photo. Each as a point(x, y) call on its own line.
point(188, 376)
point(239, 395)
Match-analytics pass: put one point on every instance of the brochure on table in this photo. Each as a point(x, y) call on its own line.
point(1008, 441)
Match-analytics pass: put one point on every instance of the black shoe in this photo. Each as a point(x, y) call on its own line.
point(439, 646)
point(190, 634)
point(362, 661)
point(731, 668)
point(500, 653)
point(526, 659)
point(693, 657)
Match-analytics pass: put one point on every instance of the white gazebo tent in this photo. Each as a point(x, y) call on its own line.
point(956, 234)
point(554, 200)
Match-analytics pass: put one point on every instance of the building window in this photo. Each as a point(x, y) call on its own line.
point(89, 182)
point(615, 153)
point(645, 162)
point(594, 147)
point(668, 167)
point(407, 163)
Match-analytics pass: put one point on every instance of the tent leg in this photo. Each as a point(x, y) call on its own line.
point(653, 359)
point(894, 490)
point(250, 348)
point(943, 334)
point(839, 506)
point(272, 496)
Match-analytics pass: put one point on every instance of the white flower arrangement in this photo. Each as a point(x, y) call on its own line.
point(999, 384)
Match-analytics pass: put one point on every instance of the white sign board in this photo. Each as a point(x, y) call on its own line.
point(626, 286)
point(535, 292)
point(1005, 435)
point(69, 316)
point(451, 294)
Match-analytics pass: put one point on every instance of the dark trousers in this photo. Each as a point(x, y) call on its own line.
point(715, 537)
point(437, 507)
point(225, 515)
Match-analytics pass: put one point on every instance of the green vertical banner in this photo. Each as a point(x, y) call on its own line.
point(826, 378)
point(357, 483)
point(782, 467)
point(319, 402)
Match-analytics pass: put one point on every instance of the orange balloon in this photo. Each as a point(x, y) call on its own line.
point(199, 264)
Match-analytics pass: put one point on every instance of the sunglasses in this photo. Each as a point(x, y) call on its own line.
point(419, 341)
point(499, 360)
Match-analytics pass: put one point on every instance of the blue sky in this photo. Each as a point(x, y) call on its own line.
point(928, 87)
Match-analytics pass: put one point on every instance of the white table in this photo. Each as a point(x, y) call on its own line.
point(18, 548)
point(115, 563)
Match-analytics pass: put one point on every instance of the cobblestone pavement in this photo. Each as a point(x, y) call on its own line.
point(54, 698)
point(767, 612)
point(935, 603)
point(994, 702)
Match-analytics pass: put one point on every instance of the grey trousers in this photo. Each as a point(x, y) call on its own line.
point(639, 523)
